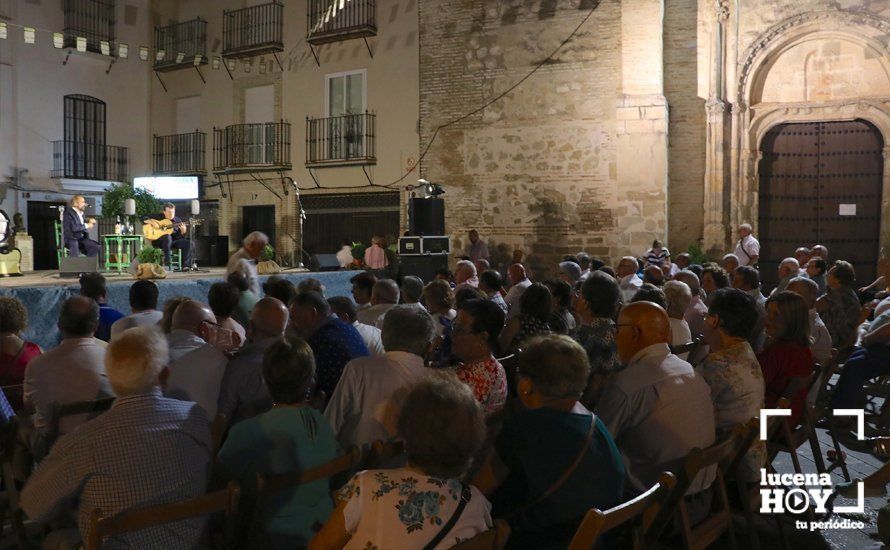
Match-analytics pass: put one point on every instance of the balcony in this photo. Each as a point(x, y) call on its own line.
point(335, 20)
point(252, 31)
point(89, 161)
point(340, 140)
point(252, 147)
point(179, 154)
point(91, 19)
point(188, 38)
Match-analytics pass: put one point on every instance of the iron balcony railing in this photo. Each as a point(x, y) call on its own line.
point(89, 161)
point(252, 145)
point(345, 139)
point(254, 30)
point(90, 19)
point(180, 153)
point(333, 20)
point(188, 38)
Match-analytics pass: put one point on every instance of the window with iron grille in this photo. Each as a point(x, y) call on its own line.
point(333, 20)
point(90, 19)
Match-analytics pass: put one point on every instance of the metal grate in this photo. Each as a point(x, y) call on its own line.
point(346, 139)
point(90, 19)
point(249, 145)
point(254, 30)
point(89, 161)
point(333, 20)
point(180, 153)
point(188, 38)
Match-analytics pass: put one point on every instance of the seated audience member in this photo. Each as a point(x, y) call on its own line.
point(596, 264)
point(584, 264)
point(536, 476)
point(839, 307)
point(465, 275)
point(92, 285)
point(461, 295)
point(343, 308)
point(697, 310)
point(713, 278)
point(747, 279)
point(243, 392)
point(292, 436)
point(732, 370)
point(878, 289)
point(243, 261)
point(281, 289)
point(628, 280)
point(677, 298)
point(71, 372)
point(697, 269)
point(146, 450)
point(788, 269)
point(439, 299)
point(442, 427)
point(444, 274)
point(482, 265)
point(344, 255)
point(411, 291)
point(223, 299)
point(334, 342)
point(476, 331)
point(534, 312)
point(143, 303)
point(519, 283)
point(196, 366)
point(491, 283)
point(816, 271)
point(657, 254)
point(729, 264)
point(384, 297)
point(802, 255)
point(597, 306)
point(570, 272)
point(366, 402)
point(309, 284)
point(650, 293)
point(653, 275)
point(820, 338)
point(166, 322)
point(787, 361)
point(820, 251)
point(375, 256)
point(683, 260)
point(362, 286)
point(869, 361)
point(562, 316)
point(15, 352)
point(657, 393)
point(246, 298)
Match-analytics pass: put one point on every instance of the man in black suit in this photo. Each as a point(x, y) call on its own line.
point(75, 228)
point(179, 238)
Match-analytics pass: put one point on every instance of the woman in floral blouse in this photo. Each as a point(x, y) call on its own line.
point(443, 427)
point(732, 370)
point(534, 313)
point(839, 308)
point(476, 331)
point(597, 306)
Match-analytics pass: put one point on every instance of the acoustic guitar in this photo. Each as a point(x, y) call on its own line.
point(151, 233)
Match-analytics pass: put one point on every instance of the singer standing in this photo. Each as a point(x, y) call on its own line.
point(75, 229)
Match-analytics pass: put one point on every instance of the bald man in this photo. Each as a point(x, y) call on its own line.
point(243, 393)
point(196, 365)
point(520, 282)
point(657, 408)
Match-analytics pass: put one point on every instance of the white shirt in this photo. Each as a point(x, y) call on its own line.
point(72, 371)
point(367, 399)
point(196, 370)
point(629, 286)
point(371, 336)
point(344, 256)
point(245, 263)
point(745, 248)
point(139, 319)
point(821, 345)
point(373, 315)
point(235, 327)
point(514, 294)
point(680, 334)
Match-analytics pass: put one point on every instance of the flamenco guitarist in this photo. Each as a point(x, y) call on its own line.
point(75, 229)
point(172, 234)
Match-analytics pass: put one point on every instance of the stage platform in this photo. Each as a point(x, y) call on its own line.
point(43, 292)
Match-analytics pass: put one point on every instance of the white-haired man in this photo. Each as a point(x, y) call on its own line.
point(747, 249)
point(628, 280)
point(244, 260)
point(788, 269)
point(146, 450)
point(384, 297)
point(465, 275)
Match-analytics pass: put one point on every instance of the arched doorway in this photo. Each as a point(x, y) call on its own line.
point(821, 183)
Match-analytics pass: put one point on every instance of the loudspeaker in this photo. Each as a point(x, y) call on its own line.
point(73, 267)
point(427, 216)
point(424, 267)
point(325, 262)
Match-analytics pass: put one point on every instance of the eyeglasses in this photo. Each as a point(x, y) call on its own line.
point(211, 323)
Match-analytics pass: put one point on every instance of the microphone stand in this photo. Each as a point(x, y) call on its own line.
point(298, 264)
point(194, 267)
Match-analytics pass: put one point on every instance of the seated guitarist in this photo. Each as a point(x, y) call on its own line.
point(178, 239)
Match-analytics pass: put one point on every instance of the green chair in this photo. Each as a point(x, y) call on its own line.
point(61, 250)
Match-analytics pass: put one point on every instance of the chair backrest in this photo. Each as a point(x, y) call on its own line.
point(746, 434)
point(101, 527)
point(689, 347)
point(596, 523)
point(58, 411)
point(270, 484)
point(14, 392)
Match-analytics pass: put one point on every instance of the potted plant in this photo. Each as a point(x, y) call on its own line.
point(358, 254)
point(149, 263)
point(267, 263)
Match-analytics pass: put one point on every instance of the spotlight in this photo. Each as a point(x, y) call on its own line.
point(159, 55)
point(81, 44)
point(215, 62)
point(3, 30)
point(123, 51)
point(198, 59)
point(143, 53)
point(30, 35)
point(58, 40)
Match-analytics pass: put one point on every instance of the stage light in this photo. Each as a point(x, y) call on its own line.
point(81, 44)
point(104, 47)
point(180, 56)
point(159, 55)
point(143, 53)
point(195, 207)
point(247, 66)
point(30, 35)
point(129, 207)
point(198, 59)
point(231, 64)
point(3, 30)
point(123, 51)
point(214, 62)
point(58, 40)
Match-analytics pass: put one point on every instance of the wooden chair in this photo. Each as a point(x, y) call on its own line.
point(633, 514)
point(493, 539)
point(13, 393)
point(61, 249)
point(689, 347)
point(820, 413)
point(719, 521)
point(790, 438)
point(130, 521)
point(58, 411)
point(381, 453)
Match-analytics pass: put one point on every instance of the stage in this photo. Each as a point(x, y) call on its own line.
point(43, 292)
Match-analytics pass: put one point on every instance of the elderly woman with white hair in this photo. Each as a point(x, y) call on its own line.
point(465, 275)
point(678, 296)
point(244, 260)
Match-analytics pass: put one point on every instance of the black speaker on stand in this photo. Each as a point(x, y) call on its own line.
point(427, 216)
point(424, 266)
